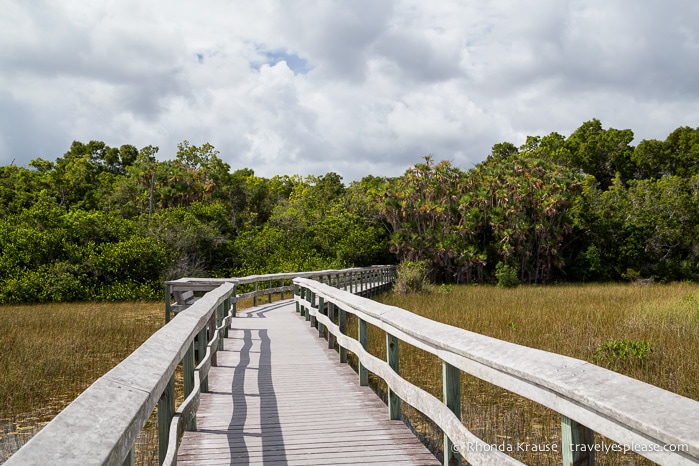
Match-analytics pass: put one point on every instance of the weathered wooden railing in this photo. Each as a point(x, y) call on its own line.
point(103, 423)
point(655, 423)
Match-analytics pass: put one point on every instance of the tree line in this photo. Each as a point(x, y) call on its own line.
point(587, 207)
point(112, 223)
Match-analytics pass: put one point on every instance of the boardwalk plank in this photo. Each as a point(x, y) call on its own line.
point(280, 397)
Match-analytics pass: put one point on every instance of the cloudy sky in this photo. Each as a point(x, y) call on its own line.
point(352, 86)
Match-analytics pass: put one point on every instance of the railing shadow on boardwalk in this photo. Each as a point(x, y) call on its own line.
point(260, 313)
point(270, 433)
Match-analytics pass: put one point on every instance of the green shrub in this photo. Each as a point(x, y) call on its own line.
point(623, 351)
point(506, 275)
point(412, 277)
point(129, 291)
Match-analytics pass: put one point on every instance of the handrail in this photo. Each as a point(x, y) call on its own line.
point(101, 425)
point(357, 276)
point(655, 423)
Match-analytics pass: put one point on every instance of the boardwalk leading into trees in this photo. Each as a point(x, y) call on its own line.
point(279, 397)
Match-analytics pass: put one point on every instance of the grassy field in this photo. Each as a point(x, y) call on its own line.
point(51, 353)
point(574, 320)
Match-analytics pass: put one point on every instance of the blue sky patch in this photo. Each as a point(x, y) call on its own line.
point(295, 63)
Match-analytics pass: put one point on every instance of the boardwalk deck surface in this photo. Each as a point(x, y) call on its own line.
point(280, 397)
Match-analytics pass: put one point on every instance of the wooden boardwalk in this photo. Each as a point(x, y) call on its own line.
point(279, 396)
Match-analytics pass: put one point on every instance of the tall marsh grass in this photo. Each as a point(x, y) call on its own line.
point(50, 353)
point(573, 320)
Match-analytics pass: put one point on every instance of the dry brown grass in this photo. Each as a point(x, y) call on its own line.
point(50, 353)
point(572, 320)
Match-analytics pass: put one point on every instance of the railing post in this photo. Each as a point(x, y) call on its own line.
point(297, 292)
point(331, 316)
point(166, 411)
point(281, 282)
point(167, 302)
point(202, 341)
point(130, 459)
point(234, 299)
point(574, 436)
point(451, 386)
point(254, 298)
point(226, 311)
point(321, 327)
point(342, 323)
point(188, 373)
point(269, 295)
point(219, 318)
point(210, 335)
point(392, 357)
point(363, 340)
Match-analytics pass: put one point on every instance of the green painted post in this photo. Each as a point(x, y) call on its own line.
point(282, 286)
point(234, 299)
point(269, 295)
point(254, 298)
point(321, 307)
point(331, 316)
point(342, 323)
point(451, 388)
point(202, 342)
point(219, 318)
point(314, 323)
point(167, 303)
point(307, 297)
point(210, 336)
point(188, 373)
point(363, 340)
point(130, 459)
point(226, 311)
point(573, 437)
point(166, 411)
point(297, 293)
point(392, 357)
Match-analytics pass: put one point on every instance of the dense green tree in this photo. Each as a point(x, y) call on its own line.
point(422, 208)
point(601, 153)
point(681, 150)
point(648, 228)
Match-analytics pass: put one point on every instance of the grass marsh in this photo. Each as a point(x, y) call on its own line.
point(50, 353)
point(573, 320)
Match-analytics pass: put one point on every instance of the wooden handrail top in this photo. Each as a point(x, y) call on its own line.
point(622, 408)
point(273, 276)
point(101, 425)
